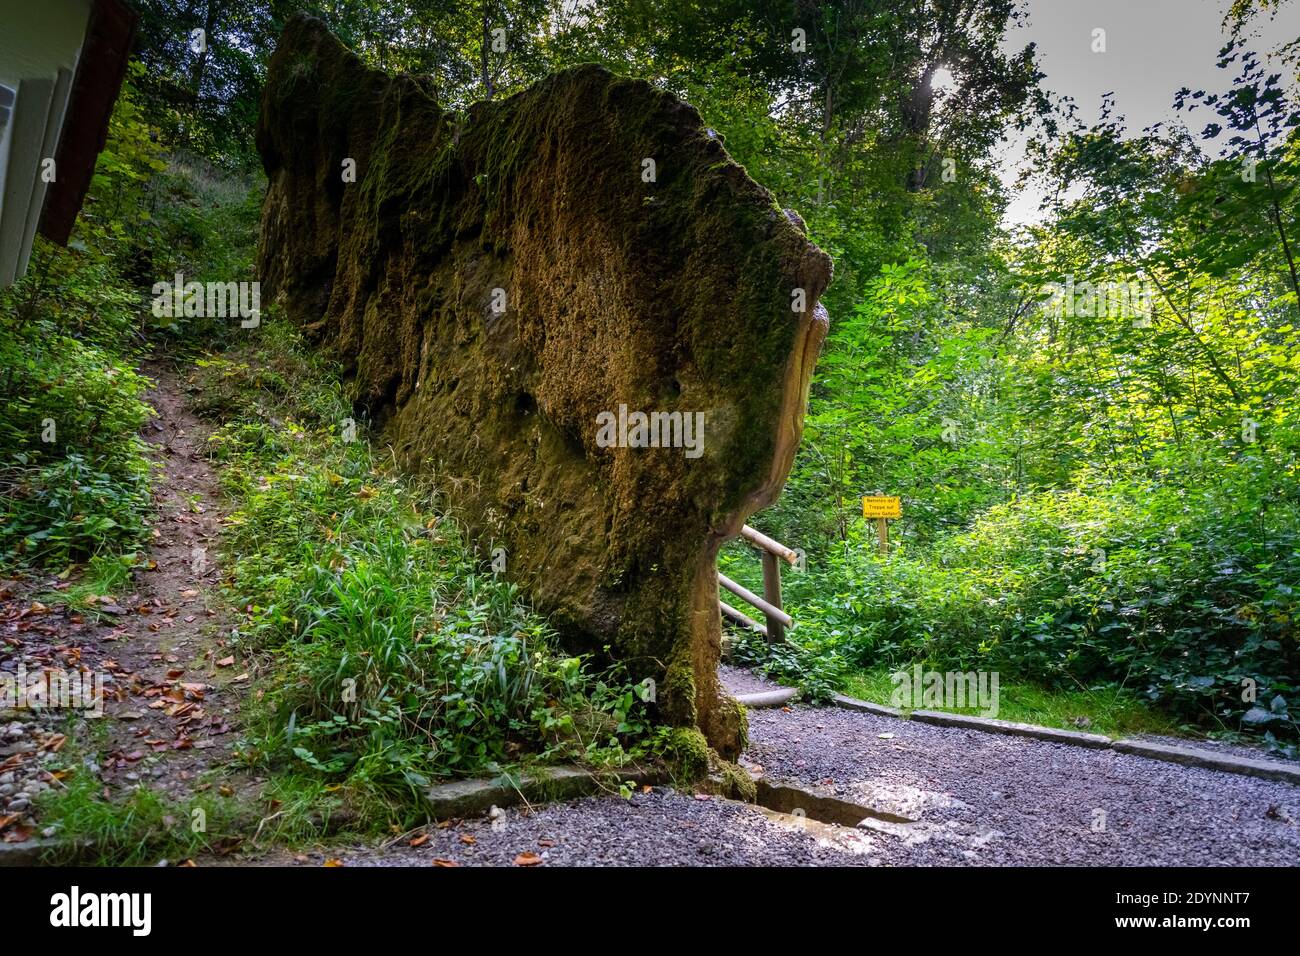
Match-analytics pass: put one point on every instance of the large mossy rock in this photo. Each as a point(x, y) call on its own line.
point(495, 281)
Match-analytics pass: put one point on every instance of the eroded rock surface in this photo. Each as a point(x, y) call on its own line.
point(499, 283)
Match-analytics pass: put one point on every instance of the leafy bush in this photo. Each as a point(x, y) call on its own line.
point(1185, 594)
point(74, 478)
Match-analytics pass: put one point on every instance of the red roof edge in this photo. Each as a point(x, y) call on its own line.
point(100, 72)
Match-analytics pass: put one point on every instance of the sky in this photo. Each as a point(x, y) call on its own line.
point(1153, 48)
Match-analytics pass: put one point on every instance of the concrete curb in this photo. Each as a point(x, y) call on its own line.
point(1212, 760)
point(989, 725)
point(1188, 756)
point(474, 797)
point(33, 852)
point(866, 706)
point(27, 853)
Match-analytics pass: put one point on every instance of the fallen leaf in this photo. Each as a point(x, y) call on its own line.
point(527, 858)
point(421, 840)
point(226, 662)
point(546, 843)
point(467, 839)
point(442, 862)
point(18, 834)
point(332, 862)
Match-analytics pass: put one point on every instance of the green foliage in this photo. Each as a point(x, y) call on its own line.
point(138, 829)
point(1184, 598)
point(1115, 711)
point(817, 668)
point(394, 658)
point(1023, 438)
point(74, 479)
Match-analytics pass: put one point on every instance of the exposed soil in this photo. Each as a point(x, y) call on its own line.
point(171, 689)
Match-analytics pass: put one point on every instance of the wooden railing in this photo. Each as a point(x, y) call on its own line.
point(773, 552)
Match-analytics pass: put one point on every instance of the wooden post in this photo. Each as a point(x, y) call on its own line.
point(772, 592)
point(882, 508)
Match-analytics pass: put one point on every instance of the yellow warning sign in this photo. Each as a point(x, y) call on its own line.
point(882, 506)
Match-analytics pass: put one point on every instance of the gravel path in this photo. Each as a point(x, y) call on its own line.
point(995, 800)
point(659, 828)
point(972, 799)
point(738, 680)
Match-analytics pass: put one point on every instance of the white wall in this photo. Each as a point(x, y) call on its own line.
point(39, 46)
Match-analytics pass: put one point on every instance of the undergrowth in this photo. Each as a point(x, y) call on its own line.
point(390, 656)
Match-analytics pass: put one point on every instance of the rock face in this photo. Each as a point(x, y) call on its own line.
point(511, 290)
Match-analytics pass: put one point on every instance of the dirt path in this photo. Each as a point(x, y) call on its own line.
point(171, 688)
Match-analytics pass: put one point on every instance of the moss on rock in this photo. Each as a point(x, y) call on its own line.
point(672, 296)
point(737, 783)
point(688, 755)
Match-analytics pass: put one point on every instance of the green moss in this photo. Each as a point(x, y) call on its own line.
point(732, 722)
point(737, 783)
point(677, 697)
point(688, 755)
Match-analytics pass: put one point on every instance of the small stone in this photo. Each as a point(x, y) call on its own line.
point(19, 805)
point(7, 777)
